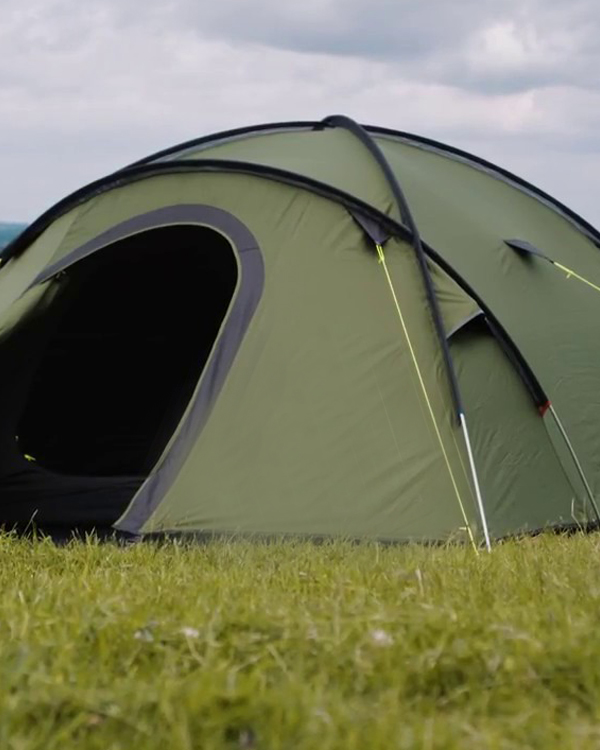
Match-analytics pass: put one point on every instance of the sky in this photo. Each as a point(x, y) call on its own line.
point(87, 86)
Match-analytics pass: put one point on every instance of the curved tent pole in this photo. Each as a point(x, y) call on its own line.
point(356, 206)
point(449, 151)
point(154, 159)
point(128, 176)
point(407, 219)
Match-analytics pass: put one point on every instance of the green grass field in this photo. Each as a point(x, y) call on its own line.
point(297, 646)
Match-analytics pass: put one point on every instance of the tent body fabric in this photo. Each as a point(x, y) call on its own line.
point(279, 330)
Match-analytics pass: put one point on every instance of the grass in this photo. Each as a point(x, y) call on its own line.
point(295, 646)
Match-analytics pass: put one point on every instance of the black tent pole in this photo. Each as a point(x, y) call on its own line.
point(406, 216)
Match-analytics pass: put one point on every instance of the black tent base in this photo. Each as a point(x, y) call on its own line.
point(81, 532)
point(226, 537)
point(59, 504)
point(62, 535)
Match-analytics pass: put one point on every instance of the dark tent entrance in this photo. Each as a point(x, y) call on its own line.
point(96, 384)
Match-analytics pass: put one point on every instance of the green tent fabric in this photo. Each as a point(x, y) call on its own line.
point(310, 328)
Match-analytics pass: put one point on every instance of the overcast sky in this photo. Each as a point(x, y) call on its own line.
point(87, 86)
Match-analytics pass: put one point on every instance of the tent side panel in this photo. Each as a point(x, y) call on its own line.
point(524, 484)
point(330, 155)
point(321, 426)
point(466, 214)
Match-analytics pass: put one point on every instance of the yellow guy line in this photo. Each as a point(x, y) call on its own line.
point(570, 272)
point(426, 396)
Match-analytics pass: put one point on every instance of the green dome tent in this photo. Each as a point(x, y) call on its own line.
point(307, 328)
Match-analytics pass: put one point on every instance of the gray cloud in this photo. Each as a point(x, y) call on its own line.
point(488, 45)
point(88, 87)
point(391, 29)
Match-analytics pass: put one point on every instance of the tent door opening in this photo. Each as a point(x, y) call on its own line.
point(106, 373)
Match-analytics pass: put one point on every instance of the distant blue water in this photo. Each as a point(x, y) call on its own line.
point(8, 230)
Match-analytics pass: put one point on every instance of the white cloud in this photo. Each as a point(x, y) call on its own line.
point(507, 46)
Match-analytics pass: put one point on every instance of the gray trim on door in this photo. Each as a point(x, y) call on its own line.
point(244, 302)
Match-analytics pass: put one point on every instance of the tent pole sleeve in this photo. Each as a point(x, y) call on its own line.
point(407, 218)
point(576, 460)
point(484, 525)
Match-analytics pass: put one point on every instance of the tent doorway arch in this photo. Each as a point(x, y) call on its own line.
point(105, 374)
